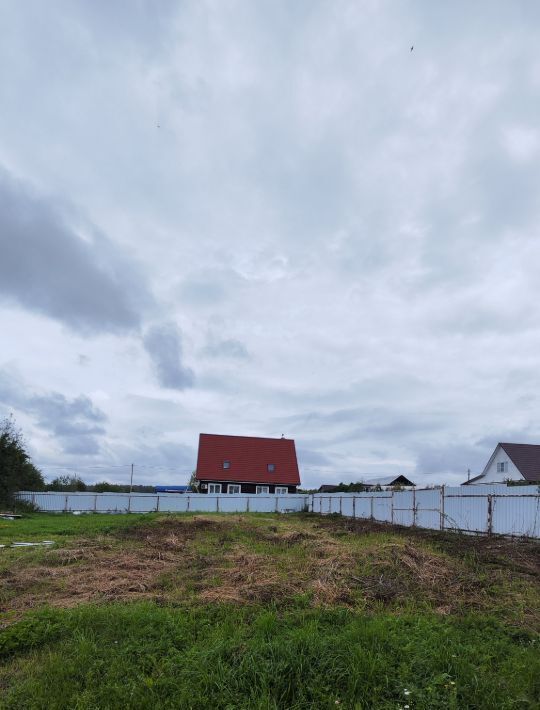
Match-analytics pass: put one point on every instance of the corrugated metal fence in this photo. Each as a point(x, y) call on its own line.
point(165, 502)
point(497, 509)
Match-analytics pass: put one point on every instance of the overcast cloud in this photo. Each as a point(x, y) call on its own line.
point(49, 268)
point(270, 218)
point(163, 343)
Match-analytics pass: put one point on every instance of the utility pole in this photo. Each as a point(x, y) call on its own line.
point(131, 481)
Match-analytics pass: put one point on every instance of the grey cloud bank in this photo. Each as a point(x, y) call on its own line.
point(163, 343)
point(49, 268)
point(75, 424)
point(327, 236)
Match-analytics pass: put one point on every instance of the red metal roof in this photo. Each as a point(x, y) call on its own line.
point(249, 457)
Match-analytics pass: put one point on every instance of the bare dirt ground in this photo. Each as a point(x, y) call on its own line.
point(251, 559)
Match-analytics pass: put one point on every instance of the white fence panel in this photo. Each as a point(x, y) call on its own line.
point(142, 503)
point(347, 506)
point(289, 503)
point(362, 507)
point(45, 501)
point(428, 510)
point(469, 513)
point(493, 489)
point(112, 502)
point(202, 503)
point(172, 503)
point(430, 519)
point(382, 508)
point(516, 516)
point(80, 501)
point(325, 505)
point(404, 508)
point(265, 504)
point(335, 504)
point(231, 503)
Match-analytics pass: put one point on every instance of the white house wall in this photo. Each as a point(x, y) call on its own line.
point(492, 476)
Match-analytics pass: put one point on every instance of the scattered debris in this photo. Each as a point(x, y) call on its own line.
point(9, 516)
point(43, 543)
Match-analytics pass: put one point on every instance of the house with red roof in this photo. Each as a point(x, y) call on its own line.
point(246, 464)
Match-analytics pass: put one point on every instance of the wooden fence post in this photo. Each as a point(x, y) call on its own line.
point(413, 508)
point(354, 507)
point(392, 508)
point(371, 506)
point(65, 504)
point(217, 504)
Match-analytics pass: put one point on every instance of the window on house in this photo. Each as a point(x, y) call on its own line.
point(233, 488)
point(502, 467)
point(214, 488)
point(271, 467)
point(262, 490)
point(281, 490)
point(226, 464)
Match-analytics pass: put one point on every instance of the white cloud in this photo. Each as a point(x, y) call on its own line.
point(522, 143)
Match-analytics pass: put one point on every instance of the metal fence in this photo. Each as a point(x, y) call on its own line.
point(492, 509)
point(164, 502)
point(496, 509)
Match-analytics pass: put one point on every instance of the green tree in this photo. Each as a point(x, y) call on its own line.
point(67, 483)
point(17, 472)
point(193, 482)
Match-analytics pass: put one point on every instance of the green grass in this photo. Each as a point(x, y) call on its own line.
point(146, 656)
point(449, 619)
point(61, 526)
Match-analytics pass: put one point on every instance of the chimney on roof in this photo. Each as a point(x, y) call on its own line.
point(468, 474)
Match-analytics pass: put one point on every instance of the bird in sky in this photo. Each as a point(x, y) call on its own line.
point(412, 47)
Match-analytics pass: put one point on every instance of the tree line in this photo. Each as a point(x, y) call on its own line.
point(18, 473)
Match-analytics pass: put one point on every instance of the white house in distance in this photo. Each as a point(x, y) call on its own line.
point(511, 462)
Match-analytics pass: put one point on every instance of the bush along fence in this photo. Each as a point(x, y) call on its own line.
point(497, 509)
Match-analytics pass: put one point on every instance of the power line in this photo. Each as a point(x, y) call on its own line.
point(106, 466)
point(70, 466)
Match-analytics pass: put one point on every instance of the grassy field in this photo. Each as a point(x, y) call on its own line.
point(264, 611)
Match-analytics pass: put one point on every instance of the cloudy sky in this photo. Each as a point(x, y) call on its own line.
point(270, 218)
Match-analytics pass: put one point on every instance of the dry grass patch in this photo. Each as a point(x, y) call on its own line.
point(254, 560)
